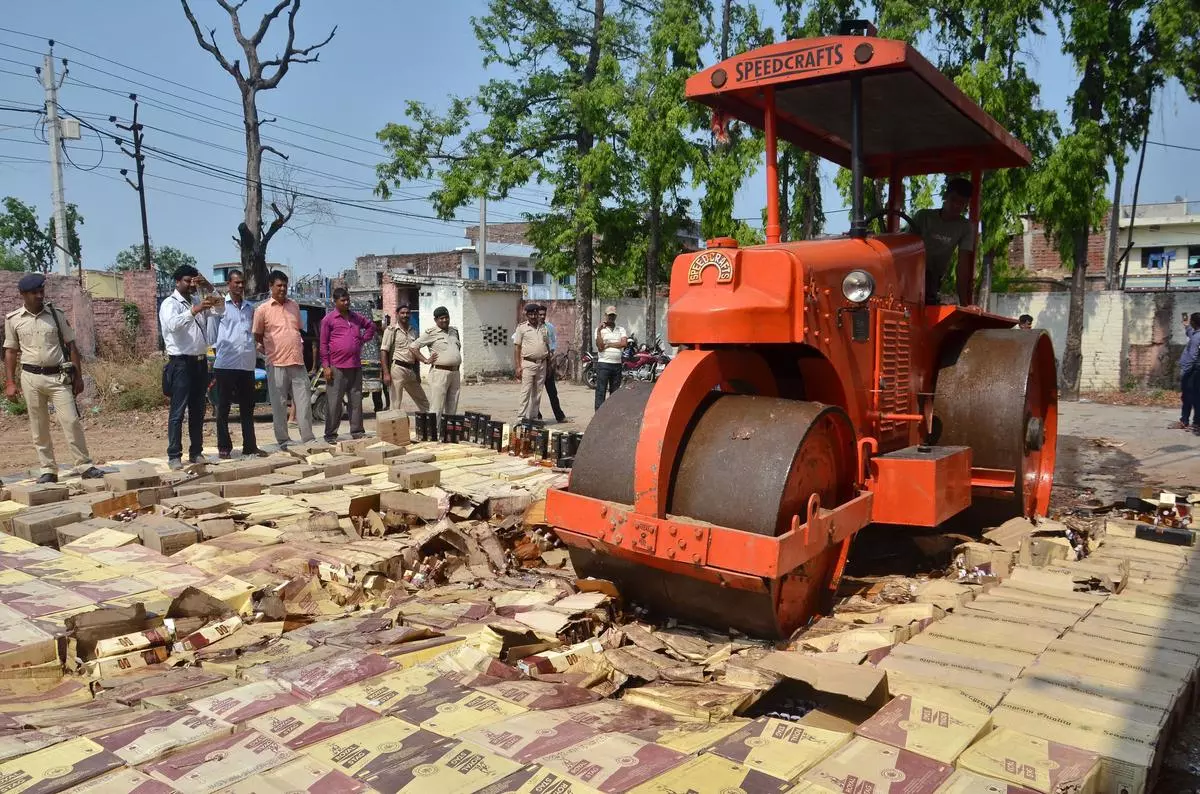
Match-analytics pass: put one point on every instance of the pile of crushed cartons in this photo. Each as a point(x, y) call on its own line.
point(395, 617)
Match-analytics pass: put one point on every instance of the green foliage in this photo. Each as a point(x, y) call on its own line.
point(15, 407)
point(1069, 187)
point(166, 261)
point(28, 247)
point(132, 316)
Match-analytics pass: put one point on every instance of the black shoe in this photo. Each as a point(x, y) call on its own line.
point(47, 479)
point(91, 473)
point(255, 453)
point(224, 455)
point(331, 439)
point(197, 459)
point(562, 419)
point(357, 436)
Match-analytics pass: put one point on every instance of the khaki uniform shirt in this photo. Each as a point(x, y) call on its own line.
point(447, 344)
point(534, 342)
point(398, 340)
point(35, 336)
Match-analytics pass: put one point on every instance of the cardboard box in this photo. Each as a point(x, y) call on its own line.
point(111, 589)
point(220, 762)
point(1029, 691)
point(40, 524)
point(112, 666)
point(616, 715)
point(249, 701)
point(864, 765)
point(300, 776)
point(164, 535)
point(340, 465)
point(196, 504)
point(42, 598)
point(410, 476)
point(233, 591)
point(533, 694)
point(58, 767)
point(966, 782)
point(241, 470)
point(16, 742)
point(22, 644)
point(137, 641)
point(393, 427)
point(390, 756)
point(31, 494)
point(1042, 765)
point(305, 724)
point(207, 635)
point(782, 749)
point(381, 453)
point(179, 701)
point(175, 579)
point(614, 762)
point(383, 692)
point(159, 733)
point(418, 504)
point(691, 738)
point(343, 669)
point(133, 555)
point(537, 779)
point(72, 532)
point(175, 679)
point(713, 773)
point(529, 736)
point(931, 728)
point(133, 477)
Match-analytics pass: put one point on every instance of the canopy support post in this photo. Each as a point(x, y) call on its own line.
point(772, 167)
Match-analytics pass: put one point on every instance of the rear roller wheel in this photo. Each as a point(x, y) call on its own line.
point(997, 394)
point(747, 462)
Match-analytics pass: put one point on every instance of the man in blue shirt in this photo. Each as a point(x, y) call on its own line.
point(234, 367)
point(1189, 372)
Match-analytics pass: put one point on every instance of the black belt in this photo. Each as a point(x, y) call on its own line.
point(448, 369)
point(405, 364)
point(41, 370)
point(188, 358)
point(532, 360)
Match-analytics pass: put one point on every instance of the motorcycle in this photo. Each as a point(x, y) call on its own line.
point(638, 363)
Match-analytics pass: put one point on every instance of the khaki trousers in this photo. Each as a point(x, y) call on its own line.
point(443, 390)
point(40, 392)
point(533, 378)
point(407, 380)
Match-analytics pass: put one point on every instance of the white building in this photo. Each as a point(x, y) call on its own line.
point(1166, 245)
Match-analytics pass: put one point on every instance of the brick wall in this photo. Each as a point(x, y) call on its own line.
point(113, 337)
point(65, 293)
point(1036, 252)
point(501, 233)
point(431, 263)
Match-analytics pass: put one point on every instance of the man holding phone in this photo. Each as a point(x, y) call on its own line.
point(183, 320)
point(1189, 373)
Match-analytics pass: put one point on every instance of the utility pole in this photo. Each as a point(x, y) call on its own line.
point(481, 245)
point(139, 160)
point(56, 175)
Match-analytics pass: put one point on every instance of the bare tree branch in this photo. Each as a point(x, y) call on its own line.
point(267, 121)
point(267, 19)
point(290, 53)
point(269, 148)
point(212, 47)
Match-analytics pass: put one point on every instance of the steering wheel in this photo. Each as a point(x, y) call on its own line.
point(887, 211)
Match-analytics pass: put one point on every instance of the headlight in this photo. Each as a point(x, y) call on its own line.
point(858, 286)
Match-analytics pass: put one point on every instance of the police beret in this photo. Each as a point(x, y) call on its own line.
point(441, 311)
point(31, 281)
point(532, 307)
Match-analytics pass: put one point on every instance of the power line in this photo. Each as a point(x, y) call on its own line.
point(1175, 146)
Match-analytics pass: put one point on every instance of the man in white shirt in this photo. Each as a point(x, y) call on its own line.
point(610, 341)
point(234, 367)
point(182, 321)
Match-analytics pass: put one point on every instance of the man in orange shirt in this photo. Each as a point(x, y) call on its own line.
point(277, 331)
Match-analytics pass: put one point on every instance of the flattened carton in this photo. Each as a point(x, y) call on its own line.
point(301, 776)
point(160, 733)
point(99, 540)
point(530, 736)
point(931, 728)
point(23, 644)
point(449, 712)
point(539, 694)
point(68, 693)
point(964, 781)
point(614, 762)
point(16, 743)
point(383, 692)
point(176, 679)
point(444, 766)
point(343, 669)
point(864, 765)
point(780, 748)
point(537, 779)
point(249, 701)
point(309, 723)
point(221, 762)
point(123, 781)
point(56, 768)
point(1040, 764)
point(712, 773)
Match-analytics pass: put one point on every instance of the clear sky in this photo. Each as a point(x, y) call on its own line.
point(385, 53)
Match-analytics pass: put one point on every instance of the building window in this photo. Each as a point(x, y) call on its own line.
point(473, 273)
point(1156, 258)
point(502, 276)
point(522, 276)
point(1193, 257)
point(539, 278)
point(488, 274)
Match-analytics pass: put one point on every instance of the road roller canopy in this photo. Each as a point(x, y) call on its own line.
point(914, 119)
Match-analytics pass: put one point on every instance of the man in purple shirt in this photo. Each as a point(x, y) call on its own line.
point(343, 334)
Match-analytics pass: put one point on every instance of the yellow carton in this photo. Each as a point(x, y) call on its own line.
point(780, 748)
point(864, 765)
point(58, 767)
point(712, 773)
point(1042, 765)
point(932, 728)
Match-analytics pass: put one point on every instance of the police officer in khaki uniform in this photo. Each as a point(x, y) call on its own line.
point(36, 334)
point(398, 363)
point(444, 360)
point(531, 349)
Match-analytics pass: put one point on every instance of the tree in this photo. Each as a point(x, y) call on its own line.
point(22, 236)
point(1122, 54)
point(10, 260)
point(259, 75)
point(165, 258)
point(661, 134)
point(556, 118)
